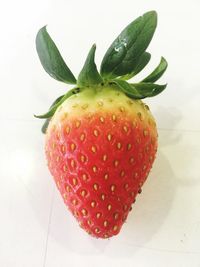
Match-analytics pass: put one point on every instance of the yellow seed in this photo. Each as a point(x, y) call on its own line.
point(110, 100)
point(97, 230)
point(74, 180)
point(72, 163)
point(116, 216)
point(89, 222)
point(58, 184)
point(136, 175)
point(76, 214)
point(116, 163)
point(73, 146)
point(94, 168)
point(115, 228)
point(122, 173)
point(65, 114)
point(126, 186)
point(129, 146)
point(130, 102)
point(131, 160)
point(134, 123)
point(125, 207)
point(68, 188)
point(132, 194)
point(144, 167)
point(140, 116)
point(65, 196)
point(109, 207)
point(89, 116)
point(57, 158)
point(112, 188)
point(83, 193)
point(93, 204)
point(67, 129)
point(103, 196)
point(74, 202)
point(100, 103)
point(102, 119)
point(96, 133)
point(109, 137)
point(125, 129)
point(145, 132)
point(54, 127)
point(114, 118)
point(64, 168)
point(84, 176)
point(82, 137)
point(119, 145)
point(105, 157)
point(75, 105)
point(54, 145)
point(58, 135)
point(84, 212)
point(85, 106)
point(93, 148)
point(78, 123)
point(98, 215)
point(122, 109)
point(105, 223)
point(83, 158)
point(95, 186)
point(63, 148)
point(106, 176)
point(146, 106)
point(105, 236)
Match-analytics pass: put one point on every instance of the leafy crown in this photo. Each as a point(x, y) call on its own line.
point(125, 58)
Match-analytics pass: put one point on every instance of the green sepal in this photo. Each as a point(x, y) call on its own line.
point(89, 74)
point(123, 53)
point(46, 123)
point(139, 90)
point(158, 72)
point(141, 64)
point(53, 109)
point(148, 89)
point(128, 89)
point(51, 58)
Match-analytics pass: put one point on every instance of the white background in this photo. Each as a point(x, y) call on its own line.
point(35, 227)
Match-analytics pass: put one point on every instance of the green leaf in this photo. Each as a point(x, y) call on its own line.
point(122, 55)
point(89, 74)
point(53, 109)
point(46, 123)
point(158, 72)
point(141, 64)
point(128, 89)
point(148, 89)
point(51, 58)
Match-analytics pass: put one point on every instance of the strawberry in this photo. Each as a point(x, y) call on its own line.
point(101, 139)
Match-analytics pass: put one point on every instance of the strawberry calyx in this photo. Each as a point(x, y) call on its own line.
point(124, 59)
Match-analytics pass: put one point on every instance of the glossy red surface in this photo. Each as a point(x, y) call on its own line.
point(99, 164)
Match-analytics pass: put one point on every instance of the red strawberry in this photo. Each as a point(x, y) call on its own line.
point(101, 139)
